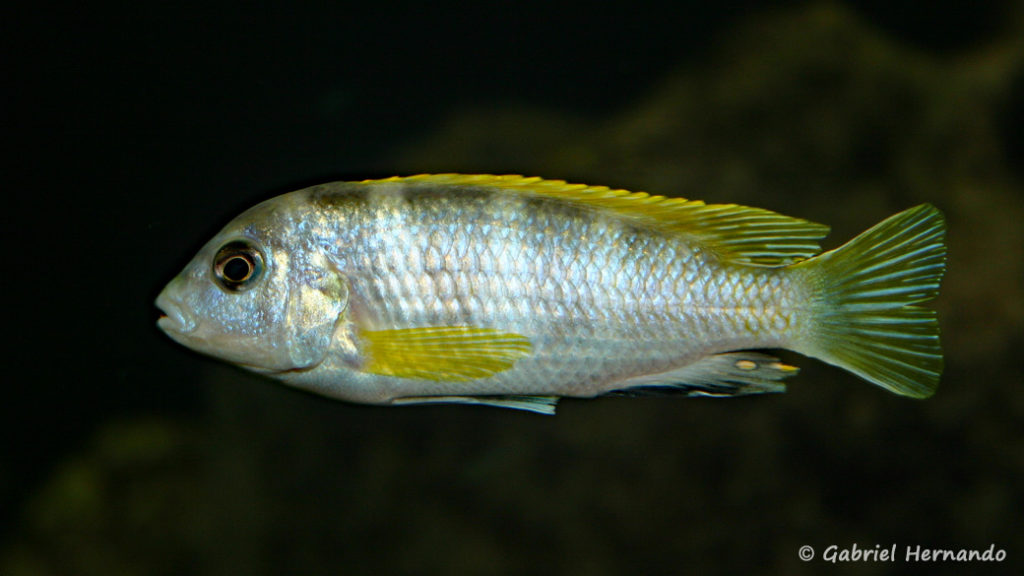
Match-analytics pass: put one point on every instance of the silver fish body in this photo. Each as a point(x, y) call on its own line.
point(513, 292)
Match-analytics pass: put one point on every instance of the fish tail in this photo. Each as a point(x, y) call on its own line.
point(864, 299)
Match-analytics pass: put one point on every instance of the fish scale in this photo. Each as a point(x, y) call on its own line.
point(612, 285)
point(513, 291)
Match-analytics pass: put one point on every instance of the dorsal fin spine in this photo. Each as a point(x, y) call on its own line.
point(736, 233)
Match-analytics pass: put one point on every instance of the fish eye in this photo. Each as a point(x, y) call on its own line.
point(237, 265)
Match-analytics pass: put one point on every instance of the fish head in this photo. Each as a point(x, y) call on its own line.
point(261, 294)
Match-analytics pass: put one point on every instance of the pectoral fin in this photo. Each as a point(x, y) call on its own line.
point(442, 353)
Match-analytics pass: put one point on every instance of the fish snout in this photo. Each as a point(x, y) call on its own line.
point(176, 318)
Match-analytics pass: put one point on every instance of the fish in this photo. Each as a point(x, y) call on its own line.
point(515, 291)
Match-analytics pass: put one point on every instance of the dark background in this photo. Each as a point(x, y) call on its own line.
point(135, 130)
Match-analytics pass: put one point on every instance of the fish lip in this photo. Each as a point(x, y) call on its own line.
point(174, 320)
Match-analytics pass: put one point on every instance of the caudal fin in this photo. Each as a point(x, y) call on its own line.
point(864, 303)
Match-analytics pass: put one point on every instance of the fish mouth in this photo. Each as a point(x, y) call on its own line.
point(174, 319)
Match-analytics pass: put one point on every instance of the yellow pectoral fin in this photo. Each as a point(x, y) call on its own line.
point(452, 353)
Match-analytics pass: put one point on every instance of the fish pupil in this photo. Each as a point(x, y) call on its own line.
point(237, 269)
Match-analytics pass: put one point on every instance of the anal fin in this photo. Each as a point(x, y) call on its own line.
point(729, 374)
point(537, 404)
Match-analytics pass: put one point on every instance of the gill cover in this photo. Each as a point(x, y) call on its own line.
point(317, 298)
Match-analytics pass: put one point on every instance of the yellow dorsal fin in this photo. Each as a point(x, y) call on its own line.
point(736, 233)
point(443, 353)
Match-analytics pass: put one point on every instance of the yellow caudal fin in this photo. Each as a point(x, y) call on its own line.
point(864, 303)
